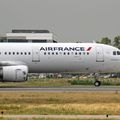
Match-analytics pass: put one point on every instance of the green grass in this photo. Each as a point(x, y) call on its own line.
point(38, 82)
point(61, 82)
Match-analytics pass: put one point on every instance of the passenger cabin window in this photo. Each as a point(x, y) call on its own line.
point(67, 53)
point(76, 53)
point(87, 53)
point(64, 53)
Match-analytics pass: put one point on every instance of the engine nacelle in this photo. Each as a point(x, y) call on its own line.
point(17, 73)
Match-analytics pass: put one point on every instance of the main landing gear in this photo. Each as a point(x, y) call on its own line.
point(97, 83)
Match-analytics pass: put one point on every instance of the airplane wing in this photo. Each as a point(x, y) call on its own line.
point(11, 63)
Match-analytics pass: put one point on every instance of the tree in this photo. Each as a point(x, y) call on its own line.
point(106, 40)
point(116, 42)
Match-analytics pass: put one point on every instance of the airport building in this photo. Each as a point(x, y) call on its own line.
point(32, 36)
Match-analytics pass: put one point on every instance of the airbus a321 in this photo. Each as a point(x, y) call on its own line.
point(19, 59)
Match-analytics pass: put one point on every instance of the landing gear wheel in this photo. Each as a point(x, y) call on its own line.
point(97, 83)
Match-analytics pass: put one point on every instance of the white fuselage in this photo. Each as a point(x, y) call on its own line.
point(61, 57)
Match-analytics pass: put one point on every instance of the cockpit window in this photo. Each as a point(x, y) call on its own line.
point(118, 52)
point(114, 52)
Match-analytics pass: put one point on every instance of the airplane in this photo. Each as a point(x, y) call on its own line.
point(19, 59)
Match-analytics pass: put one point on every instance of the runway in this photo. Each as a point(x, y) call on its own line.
point(61, 89)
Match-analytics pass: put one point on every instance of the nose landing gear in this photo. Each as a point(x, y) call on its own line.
point(97, 83)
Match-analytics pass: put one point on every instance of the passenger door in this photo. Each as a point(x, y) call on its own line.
point(99, 54)
point(35, 55)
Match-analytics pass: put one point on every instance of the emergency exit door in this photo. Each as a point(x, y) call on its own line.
point(99, 54)
point(35, 55)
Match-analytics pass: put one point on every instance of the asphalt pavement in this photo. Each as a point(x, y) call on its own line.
point(62, 89)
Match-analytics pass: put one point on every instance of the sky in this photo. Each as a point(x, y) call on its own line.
point(69, 20)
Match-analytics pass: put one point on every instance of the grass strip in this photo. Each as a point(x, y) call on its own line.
point(96, 103)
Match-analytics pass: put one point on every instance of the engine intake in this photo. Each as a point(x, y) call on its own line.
point(17, 73)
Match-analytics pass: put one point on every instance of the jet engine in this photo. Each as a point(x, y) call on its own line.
point(16, 73)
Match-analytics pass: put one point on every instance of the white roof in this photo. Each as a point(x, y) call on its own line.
point(30, 36)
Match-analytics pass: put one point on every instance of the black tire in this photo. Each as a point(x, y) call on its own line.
point(97, 83)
